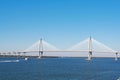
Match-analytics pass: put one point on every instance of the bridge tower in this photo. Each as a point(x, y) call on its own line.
point(116, 57)
point(40, 48)
point(90, 48)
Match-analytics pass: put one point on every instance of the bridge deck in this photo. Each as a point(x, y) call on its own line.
point(69, 51)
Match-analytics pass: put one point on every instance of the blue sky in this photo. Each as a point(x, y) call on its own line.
point(60, 22)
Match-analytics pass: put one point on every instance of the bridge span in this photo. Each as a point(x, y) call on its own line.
point(88, 45)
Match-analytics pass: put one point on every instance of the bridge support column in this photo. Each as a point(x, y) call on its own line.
point(116, 57)
point(90, 49)
point(40, 54)
point(18, 54)
point(24, 54)
point(90, 55)
point(40, 49)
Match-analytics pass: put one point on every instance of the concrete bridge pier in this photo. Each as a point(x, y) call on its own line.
point(90, 55)
point(116, 57)
point(40, 49)
point(90, 49)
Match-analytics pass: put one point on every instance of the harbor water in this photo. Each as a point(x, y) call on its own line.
point(59, 69)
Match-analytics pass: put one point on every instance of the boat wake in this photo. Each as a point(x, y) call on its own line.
point(2, 61)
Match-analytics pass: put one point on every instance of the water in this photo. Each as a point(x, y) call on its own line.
point(59, 69)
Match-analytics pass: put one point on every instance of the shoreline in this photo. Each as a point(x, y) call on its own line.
point(13, 56)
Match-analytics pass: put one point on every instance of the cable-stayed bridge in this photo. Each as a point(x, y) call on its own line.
point(88, 45)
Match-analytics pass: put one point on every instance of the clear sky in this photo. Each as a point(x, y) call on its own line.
point(63, 23)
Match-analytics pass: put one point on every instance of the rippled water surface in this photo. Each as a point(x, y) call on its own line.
point(59, 69)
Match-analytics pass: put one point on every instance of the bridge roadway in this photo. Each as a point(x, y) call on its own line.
point(18, 54)
point(70, 51)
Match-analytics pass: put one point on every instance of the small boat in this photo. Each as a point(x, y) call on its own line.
point(26, 58)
